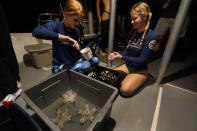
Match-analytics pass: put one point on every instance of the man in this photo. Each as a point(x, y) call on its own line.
point(104, 21)
point(168, 9)
point(9, 71)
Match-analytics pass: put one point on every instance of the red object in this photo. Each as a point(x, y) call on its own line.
point(7, 103)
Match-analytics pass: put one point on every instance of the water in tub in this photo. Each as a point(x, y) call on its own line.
point(71, 111)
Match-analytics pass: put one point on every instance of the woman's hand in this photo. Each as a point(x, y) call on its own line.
point(114, 56)
point(73, 42)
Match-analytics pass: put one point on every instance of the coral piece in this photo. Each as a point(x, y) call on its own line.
point(62, 117)
point(69, 96)
point(87, 114)
point(55, 120)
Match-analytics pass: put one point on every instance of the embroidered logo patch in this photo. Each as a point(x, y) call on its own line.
point(135, 43)
point(152, 44)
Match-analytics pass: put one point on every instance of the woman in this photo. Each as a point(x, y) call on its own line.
point(65, 34)
point(141, 43)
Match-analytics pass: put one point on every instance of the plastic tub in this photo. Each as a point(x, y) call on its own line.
point(41, 54)
point(42, 97)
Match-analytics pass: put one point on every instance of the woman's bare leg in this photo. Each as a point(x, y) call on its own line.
point(132, 82)
point(122, 68)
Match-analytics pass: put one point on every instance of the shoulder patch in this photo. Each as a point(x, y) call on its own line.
point(152, 44)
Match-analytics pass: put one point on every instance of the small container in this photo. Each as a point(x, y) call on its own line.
point(86, 53)
point(112, 55)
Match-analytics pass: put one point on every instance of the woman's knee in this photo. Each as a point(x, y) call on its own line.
point(127, 90)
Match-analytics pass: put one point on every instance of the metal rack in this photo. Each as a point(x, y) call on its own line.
point(47, 17)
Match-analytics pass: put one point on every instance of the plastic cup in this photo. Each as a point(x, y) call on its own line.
point(111, 55)
point(86, 53)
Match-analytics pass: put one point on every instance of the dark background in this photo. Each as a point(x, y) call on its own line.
point(22, 14)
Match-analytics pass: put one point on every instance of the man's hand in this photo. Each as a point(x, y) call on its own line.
point(99, 19)
point(166, 4)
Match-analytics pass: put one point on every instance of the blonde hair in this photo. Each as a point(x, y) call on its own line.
point(143, 9)
point(72, 7)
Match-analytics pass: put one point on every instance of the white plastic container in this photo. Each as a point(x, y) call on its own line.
point(86, 53)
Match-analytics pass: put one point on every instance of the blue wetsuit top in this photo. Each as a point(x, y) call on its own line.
point(136, 57)
point(63, 52)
